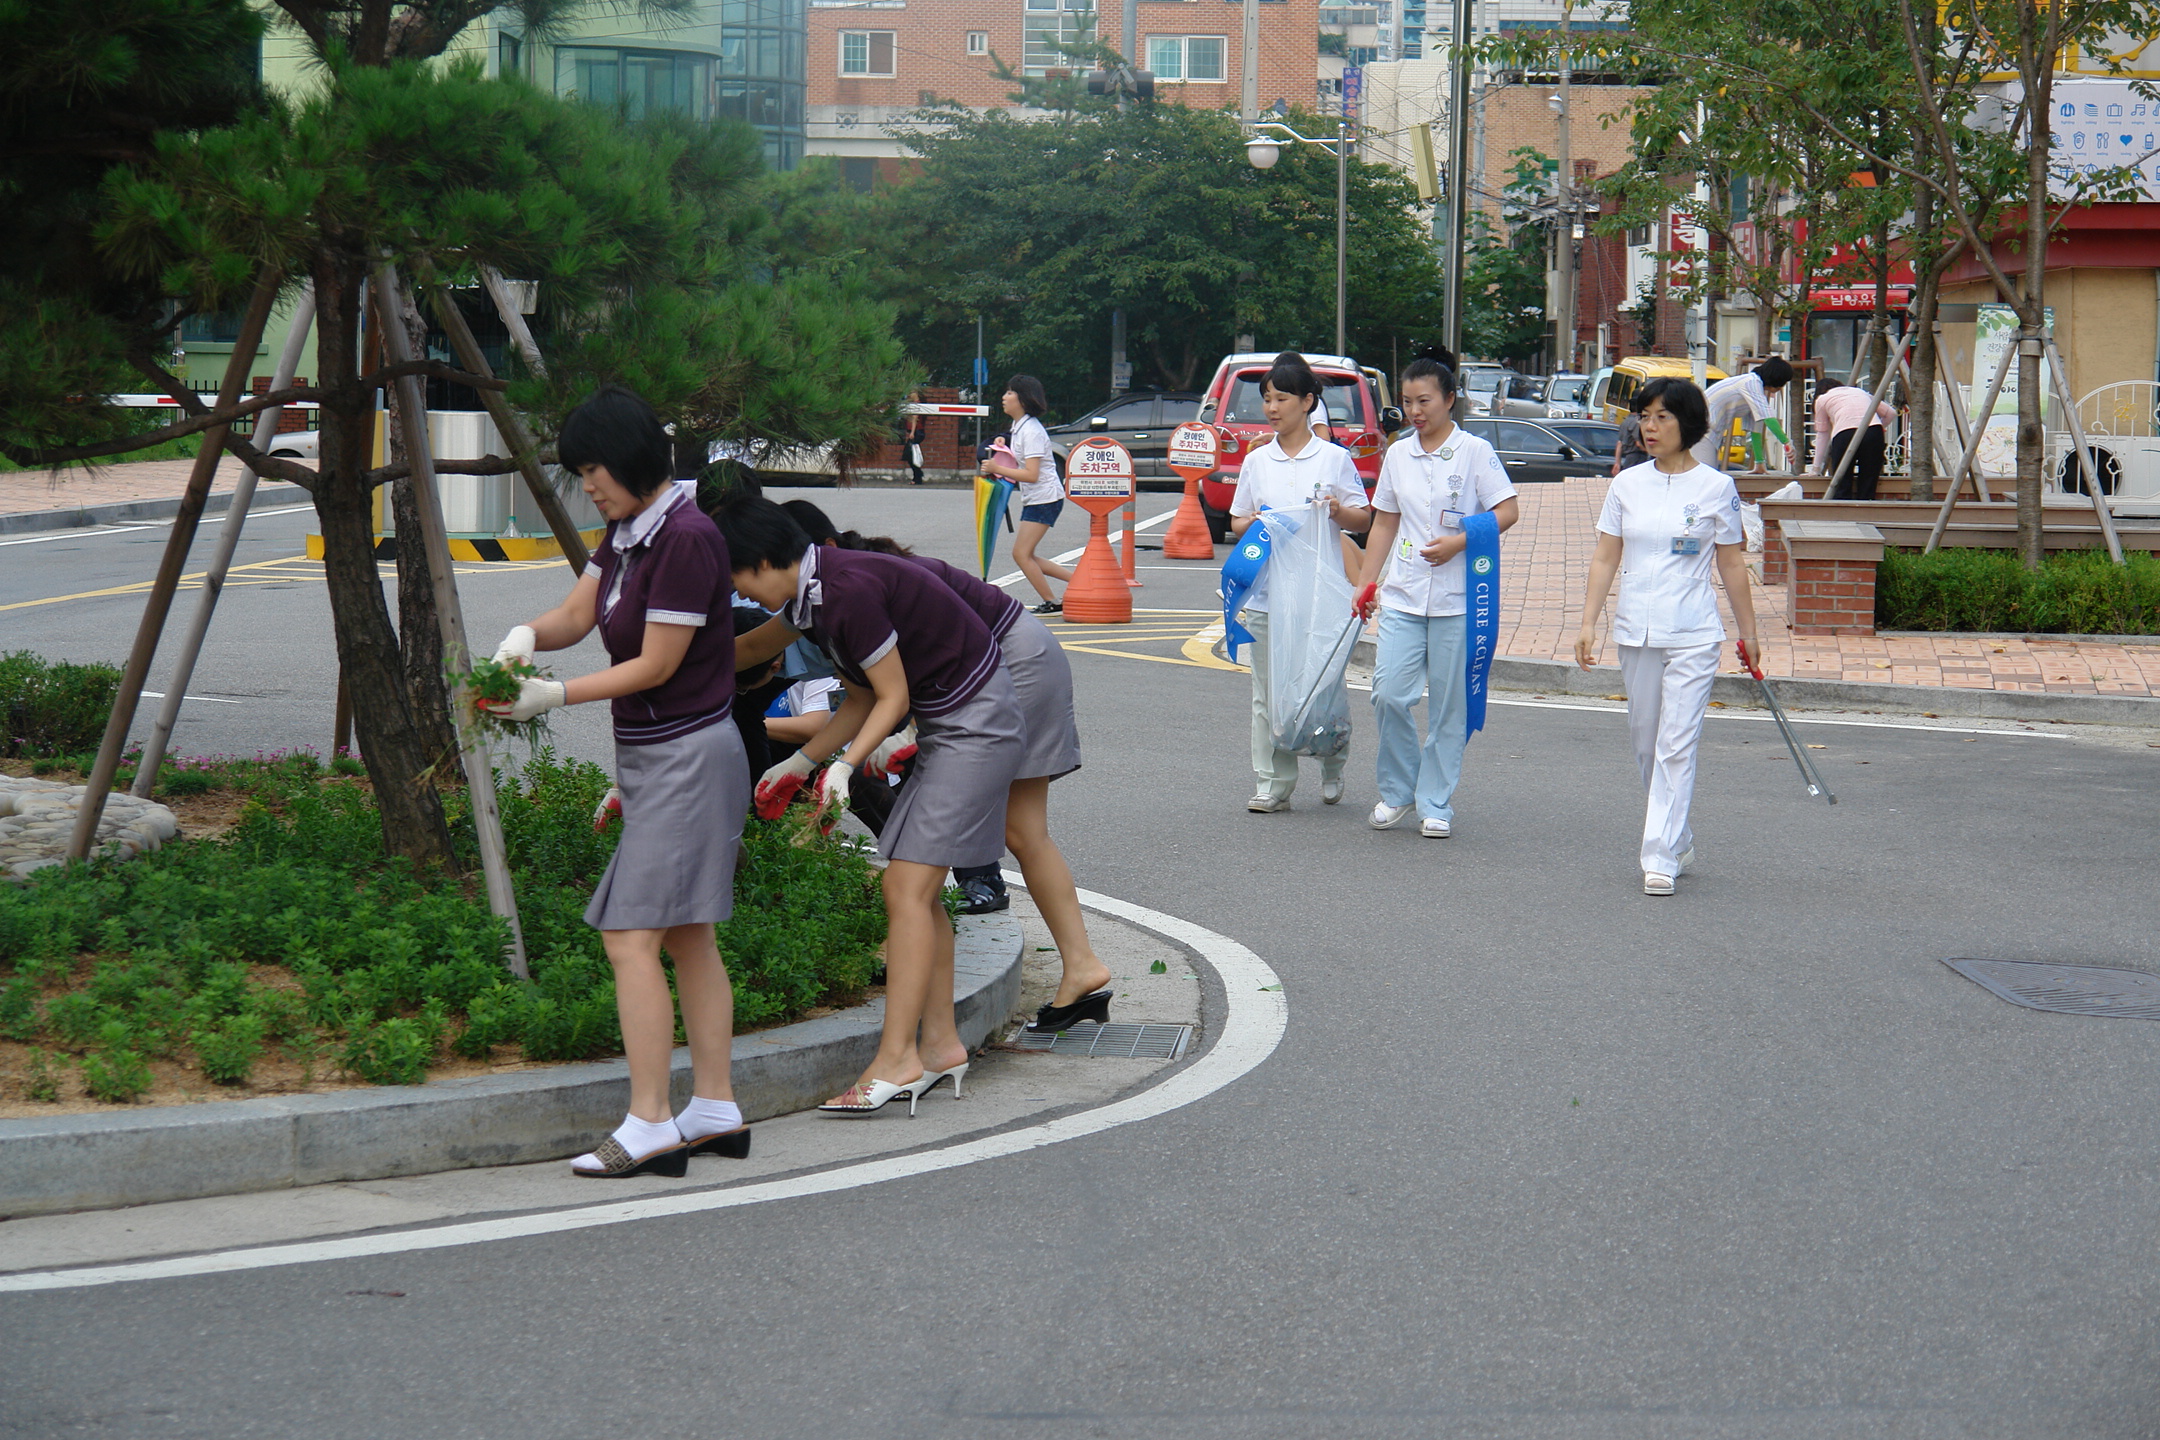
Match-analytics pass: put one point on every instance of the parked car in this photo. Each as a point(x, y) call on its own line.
point(1636, 371)
point(1592, 437)
point(1535, 455)
point(1361, 422)
point(1485, 387)
point(1141, 421)
point(297, 445)
point(1567, 397)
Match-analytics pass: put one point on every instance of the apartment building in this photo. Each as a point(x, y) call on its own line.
point(873, 63)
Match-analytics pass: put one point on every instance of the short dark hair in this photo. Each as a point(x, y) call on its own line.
point(813, 521)
point(875, 544)
point(1423, 369)
point(1030, 391)
point(1682, 400)
point(759, 533)
point(1290, 375)
point(616, 428)
point(1775, 373)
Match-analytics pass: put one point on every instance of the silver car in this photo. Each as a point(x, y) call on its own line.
point(1565, 396)
point(1485, 387)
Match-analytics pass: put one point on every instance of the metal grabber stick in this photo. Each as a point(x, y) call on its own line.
point(1808, 774)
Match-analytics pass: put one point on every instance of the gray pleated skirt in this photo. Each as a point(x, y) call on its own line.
point(683, 803)
point(952, 809)
point(1042, 679)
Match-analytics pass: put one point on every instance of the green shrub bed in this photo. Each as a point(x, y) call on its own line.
point(2078, 592)
point(52, 708)
point(288, 939)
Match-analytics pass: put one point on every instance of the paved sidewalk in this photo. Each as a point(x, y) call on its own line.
point(29, 491)
point(1545, 561)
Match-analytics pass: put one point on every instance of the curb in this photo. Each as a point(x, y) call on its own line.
point(1561, 677)
point(185, 1152)
point(82, 517)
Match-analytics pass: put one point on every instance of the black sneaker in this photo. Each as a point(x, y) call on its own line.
point(985, 895)
point(1048, 607)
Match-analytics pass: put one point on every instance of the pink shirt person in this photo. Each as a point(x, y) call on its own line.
point(1840, 408)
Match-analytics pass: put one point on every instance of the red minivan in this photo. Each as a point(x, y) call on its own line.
point(1358, 414)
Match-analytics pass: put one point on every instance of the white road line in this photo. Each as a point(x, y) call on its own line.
point(1795, 717)
point(1071, 555)
point(132, 529)
point(1252, 1027)
point(208, 699)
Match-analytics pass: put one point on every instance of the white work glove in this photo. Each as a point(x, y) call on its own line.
point(897, 749)
point(535, 698)
point(777, 786)
point(831, 794)
point(519, 644)
point(609, 808)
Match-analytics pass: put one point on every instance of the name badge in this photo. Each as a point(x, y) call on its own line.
point(1452, 519)
point(1687, 545)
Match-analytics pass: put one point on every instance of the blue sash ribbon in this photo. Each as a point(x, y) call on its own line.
point(1481, 593)
point(1248, 557)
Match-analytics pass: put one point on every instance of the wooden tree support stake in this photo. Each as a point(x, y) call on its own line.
point(457, 655)
point(1969, 461)
point(266, 425)
point(177, 543)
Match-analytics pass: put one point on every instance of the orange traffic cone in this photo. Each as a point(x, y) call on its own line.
point(1188, 537)
point(1097, 593)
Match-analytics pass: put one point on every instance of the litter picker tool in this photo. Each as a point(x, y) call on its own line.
point(1330, 672)
point(1808, 774)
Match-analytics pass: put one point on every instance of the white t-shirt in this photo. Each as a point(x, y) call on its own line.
point(1271, 480)
point(1433, 490)
point(1666, 597)
point(1029, 439)
point(1739, 397)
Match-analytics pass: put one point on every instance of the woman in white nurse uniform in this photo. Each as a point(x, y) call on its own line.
point(1665, 526)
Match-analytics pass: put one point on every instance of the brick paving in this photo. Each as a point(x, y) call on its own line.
point(33, 490)
point(1545, 561)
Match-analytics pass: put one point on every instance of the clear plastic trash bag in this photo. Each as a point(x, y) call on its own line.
point(1311, 632)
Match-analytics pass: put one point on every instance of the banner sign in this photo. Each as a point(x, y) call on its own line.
point(2103, 134)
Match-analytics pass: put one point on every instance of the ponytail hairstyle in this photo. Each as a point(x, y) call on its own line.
point(1436, 371)
point(1292, 376)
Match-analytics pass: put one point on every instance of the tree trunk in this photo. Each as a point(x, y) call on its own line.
point(1920, 417)
point(391, 744)
point(2032, 311)
point(419, 623)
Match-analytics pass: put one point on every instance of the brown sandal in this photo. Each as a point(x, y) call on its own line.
point(617, 1163)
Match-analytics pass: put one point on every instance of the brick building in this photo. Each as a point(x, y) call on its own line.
point(873, 62)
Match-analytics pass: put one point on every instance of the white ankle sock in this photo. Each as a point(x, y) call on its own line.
point(702, 1117)
point(639, 1137)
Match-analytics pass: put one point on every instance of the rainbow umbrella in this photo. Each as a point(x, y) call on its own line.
point(991, 497)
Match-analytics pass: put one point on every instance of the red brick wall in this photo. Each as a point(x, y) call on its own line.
point(945, 446)
point(1833, 597)
point(931, 50)
point(288, 420)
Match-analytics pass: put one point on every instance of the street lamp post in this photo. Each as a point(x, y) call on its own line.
point(1263, 151)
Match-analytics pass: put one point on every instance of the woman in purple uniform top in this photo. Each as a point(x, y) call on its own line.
point(902, 643)
point(1042, 678)
point(658, 591)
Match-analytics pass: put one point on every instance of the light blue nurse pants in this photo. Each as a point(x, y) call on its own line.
point(1421, 655)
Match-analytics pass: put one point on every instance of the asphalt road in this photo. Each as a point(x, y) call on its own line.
point(1538, 1156)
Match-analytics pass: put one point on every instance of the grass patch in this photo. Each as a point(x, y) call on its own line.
point(51, 708)
point(2078, 592)
point(290, 937)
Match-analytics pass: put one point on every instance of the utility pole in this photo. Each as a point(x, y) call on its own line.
point(1564, 192)
point(1130, 43)
point(1342, 230)
point(1458, 177)
point(1699, 342)
point(1249, 101)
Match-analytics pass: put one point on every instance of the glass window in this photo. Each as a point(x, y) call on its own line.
point(1568, 392)
point(1523, 439)
point(862, 52)
point(1345, 401)
point(638, 81)
point(1134, 414)
point(1166, 56)
point(978, 42)
point(1041, 36)
point(1177, 412)
point(1186, 57)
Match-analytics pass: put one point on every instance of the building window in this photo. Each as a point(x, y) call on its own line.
point(1186, 57)
point(859, 174)
point(637, 81)
point(867, 52)
point(509, 55)
point(1045, 29)
point(978, 42)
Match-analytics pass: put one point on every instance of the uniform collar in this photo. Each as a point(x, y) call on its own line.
point(646, 521)
point(1312, 447)
point(809, 591)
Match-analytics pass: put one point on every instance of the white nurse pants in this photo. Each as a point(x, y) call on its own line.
point(1668, 693)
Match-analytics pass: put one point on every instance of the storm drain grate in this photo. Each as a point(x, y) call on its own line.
point(1119, 1042)
point(2067, 989)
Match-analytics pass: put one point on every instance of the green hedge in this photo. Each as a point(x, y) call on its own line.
point(2078, 592)
point(211, 952)
point(52, 707)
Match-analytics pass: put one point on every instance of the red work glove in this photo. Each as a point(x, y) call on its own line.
point(1368, 600)
point(609, 808)
point(898, 748)
point(777, 786)
point(830, 794)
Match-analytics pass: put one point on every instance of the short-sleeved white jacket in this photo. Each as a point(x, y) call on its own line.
point(1666, 599)
point(1431, 490)
point(1271, 480)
